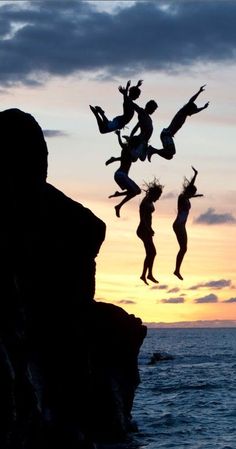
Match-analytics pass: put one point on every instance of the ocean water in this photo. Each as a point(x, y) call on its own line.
point(188, 399)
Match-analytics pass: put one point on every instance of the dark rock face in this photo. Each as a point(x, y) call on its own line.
point(68, 365)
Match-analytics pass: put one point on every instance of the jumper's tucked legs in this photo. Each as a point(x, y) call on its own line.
point(162, 152)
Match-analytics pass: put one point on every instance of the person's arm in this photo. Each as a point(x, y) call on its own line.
point(200, 109)
point(112, 159)
point(124, 90)
point(194, 97)
point(192, 183)
point(194, 176)
point(119, 138)
point(135, 129)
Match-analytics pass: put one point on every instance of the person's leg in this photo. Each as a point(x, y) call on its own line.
point(124, 182)
point(102, 120)
point(149, 259)
point(128, 197)
point(166, 154)
point(151, 254)
point(168, 150)
point(181, 236)
point(118, 194)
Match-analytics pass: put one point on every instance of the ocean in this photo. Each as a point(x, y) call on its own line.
point(188, 398)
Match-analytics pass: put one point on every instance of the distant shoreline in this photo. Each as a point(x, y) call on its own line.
point(214, 324)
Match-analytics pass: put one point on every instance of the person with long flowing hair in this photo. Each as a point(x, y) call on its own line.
point(179, 225)
point(145, 231)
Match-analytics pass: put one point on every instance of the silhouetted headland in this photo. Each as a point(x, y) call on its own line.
point(68, 364)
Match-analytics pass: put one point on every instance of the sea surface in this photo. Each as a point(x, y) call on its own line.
point(187, 399)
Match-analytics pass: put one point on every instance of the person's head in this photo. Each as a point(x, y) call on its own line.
point(134, 92)
point(24, 150)
point(191, 108)
point(154, 190)
point(151, 106)
point(189, 190)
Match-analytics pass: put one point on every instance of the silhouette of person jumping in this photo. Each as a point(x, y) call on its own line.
point(184, 205)
point(139, 143)
point(129, 187)
point(167, 134)
point(130, 94)
point(145, 231)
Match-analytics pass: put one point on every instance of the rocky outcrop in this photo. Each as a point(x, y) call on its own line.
point(68, 364)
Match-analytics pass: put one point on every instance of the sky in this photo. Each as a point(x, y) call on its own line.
point(58, 57)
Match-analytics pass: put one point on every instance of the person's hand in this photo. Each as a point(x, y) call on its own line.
point(202, 88)
point(112, 159)
point(139, 83)
point(121, 89)
point(152, 233)
point(195, 171)
point(206, 105)
point(128, 84)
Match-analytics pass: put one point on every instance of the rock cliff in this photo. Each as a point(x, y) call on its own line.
point(68, 364)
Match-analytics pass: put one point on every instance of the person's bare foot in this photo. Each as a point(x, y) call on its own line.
point(114, 195)
point(117, 209)
point(93, 109)
point(144, 280)
point(150, 152)
point(176, 273)
point(151, 278)
point(100, 110)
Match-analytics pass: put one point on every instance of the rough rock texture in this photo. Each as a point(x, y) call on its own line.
point(68, 364)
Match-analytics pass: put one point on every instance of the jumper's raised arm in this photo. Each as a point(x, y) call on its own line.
point(130, 94)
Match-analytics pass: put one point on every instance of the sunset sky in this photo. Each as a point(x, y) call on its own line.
point(57, 57)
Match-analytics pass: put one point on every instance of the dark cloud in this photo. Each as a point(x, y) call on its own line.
point(230, 300)
point(61, 38)
point(177, 300)
point(221, 283)
point(126, 301)
point(210, 217)
point(54, 133)
point(206, 299)
point(169, 195)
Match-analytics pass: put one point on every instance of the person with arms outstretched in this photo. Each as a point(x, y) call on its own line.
point(167, 134)
point(145, 231)
point(139, 143)
point(130, 94)
point(179, 225)
point(128, 186)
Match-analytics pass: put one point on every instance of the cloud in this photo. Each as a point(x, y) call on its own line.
point(206, 299)
point(230, 300)
point(169, 195)
point(159, 287)
point(221, 283)
point(59, 38)
point(126, 301)
point(177, 300)
point(174, 290)
point(212, 218)
point(54, 133)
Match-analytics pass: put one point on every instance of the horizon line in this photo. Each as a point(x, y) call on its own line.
point(193, 324)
